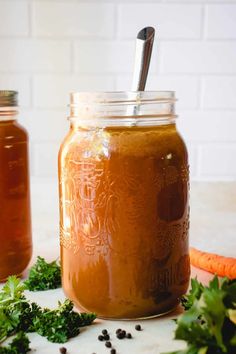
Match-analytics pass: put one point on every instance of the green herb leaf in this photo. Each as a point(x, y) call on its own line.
point(19, 345)
point(13, 290)
point(19, 314)
point(195, 293)
point(208, 325)
point(44, 276)
point(12, 303)
point(62, 323)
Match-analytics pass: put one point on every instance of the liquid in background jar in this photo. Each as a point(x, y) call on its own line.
point(15, 215)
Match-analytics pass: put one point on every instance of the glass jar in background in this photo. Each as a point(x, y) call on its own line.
point(15, 216)
point(124, 207)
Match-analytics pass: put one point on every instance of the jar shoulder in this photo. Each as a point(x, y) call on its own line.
point(65, 144)
point(125, 140)
point(182, 142)
point(13, 131)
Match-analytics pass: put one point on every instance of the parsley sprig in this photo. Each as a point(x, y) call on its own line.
point(15, 311)
point(61, 324)
point(17, 314)
point(209, 323)
point(44, 275)
point(19, 345)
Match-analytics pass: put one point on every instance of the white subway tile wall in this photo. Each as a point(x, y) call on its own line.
point(51, 47)
point(172, 21)
point(52, 91)
point(14, 19)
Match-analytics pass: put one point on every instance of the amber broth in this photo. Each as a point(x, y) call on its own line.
point(124, 219)
point(15, 222)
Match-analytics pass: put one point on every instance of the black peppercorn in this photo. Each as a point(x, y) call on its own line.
point(104, 331)
point(128, 335)
point(108, 344)
point(106, 337)
point(118, 330)
point(101, 338)
point(120, 335)
point(138, 327)
point(63, 350)
point(113, 351)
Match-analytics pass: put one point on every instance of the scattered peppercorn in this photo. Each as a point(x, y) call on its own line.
point(128, 335)
point(108, 344)
point(120, 335)
point(113, 351)
point(138, 327)
point(123, 332)
point(118, 330)
point(104, 331)
point(63, 350)
point(106, 337)
point(101, 338)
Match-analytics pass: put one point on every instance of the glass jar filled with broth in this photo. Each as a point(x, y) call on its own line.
point(124, 206)
point(15, 217)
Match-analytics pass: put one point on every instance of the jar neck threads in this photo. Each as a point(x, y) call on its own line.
point(122, 108)
point(8, 113)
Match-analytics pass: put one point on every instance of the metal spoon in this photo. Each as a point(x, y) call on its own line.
point(143, 52)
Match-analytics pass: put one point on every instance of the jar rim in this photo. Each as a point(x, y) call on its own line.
point(122, 108)
point(121, 97)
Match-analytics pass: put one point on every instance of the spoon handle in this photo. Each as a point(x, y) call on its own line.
point(143, 52)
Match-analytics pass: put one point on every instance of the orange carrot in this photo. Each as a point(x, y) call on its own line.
point(213, 263)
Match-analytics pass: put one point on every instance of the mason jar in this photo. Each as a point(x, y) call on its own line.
point(15, 215)
point(124, 205)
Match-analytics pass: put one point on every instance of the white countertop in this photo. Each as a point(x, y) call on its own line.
point(156, 336)
point(213, 225)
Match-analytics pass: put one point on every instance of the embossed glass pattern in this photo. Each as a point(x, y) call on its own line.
point(124, 214)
